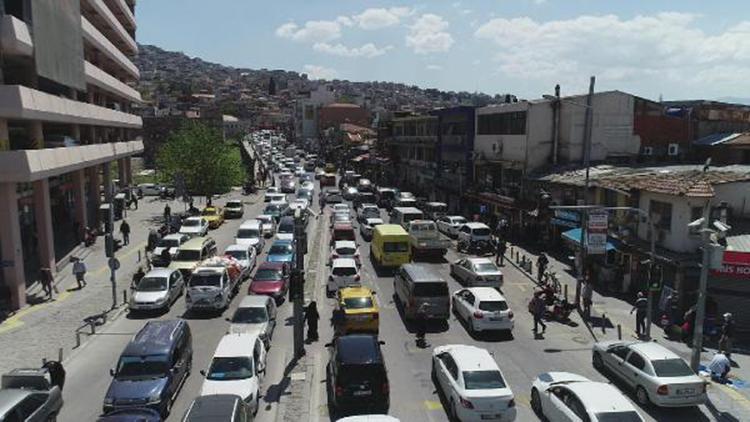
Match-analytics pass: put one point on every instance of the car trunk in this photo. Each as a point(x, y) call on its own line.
point(363, 382)
point(491, 401)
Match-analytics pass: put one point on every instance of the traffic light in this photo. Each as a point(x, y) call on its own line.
point(296, 286)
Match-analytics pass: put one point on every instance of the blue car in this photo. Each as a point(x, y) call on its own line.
point(152, 368)
point(282, 251)
point(137, 414)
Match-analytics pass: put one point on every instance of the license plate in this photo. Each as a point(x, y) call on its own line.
point(362, 393)
point(499, 318)
point(683, 391)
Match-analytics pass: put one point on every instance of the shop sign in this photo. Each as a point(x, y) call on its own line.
point(596, 241)
point(735, 265)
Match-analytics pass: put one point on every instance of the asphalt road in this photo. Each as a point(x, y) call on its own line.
point(413, 395)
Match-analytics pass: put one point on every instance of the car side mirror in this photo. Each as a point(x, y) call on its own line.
point(227, 320)
point(112, 372)
point(329, 345)
point(203, 372)
point(381, 342)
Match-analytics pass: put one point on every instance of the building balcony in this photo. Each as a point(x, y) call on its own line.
point(107, 82)
point(15, 39)
point(94, 37)
point(24, 103)
point(111, 26)
point(123, 13)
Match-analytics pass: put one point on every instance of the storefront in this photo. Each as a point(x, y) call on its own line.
point(729, 287)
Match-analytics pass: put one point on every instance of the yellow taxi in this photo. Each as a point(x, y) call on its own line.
point(214, 216)
point(358, 309)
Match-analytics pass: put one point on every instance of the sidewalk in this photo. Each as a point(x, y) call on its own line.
point(39, 331)
point(732, 400)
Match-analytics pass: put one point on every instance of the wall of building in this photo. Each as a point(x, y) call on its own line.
point(334, 115)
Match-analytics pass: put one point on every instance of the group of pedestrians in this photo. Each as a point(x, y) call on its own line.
point(47, 279)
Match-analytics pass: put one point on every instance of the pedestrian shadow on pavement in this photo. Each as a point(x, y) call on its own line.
point(599, 322)
point(35, 300)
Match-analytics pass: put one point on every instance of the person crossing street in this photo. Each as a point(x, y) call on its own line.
point(538, 307)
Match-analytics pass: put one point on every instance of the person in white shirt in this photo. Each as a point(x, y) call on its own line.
point(79, 271)
point(719, 367)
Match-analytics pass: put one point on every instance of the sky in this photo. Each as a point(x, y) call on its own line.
point(651, 48)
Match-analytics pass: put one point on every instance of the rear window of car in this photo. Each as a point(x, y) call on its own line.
point(493, 305)
point(395, 247)
point(358, 303)
point(355, 373)
point(346, 234)
point(671, 368)
point(430, 289)
point(344, 271)
point(627, 416)
point(483, 380)
point(481, 232)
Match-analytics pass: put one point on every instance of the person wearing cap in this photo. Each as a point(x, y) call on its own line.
point(640, 308)
point(727, 333)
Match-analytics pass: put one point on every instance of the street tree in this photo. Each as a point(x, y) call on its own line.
point(198, 155)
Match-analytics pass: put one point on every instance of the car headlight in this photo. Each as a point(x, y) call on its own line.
point(154, 398)
point(109, 401)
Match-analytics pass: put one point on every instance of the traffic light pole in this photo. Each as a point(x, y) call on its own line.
point(297, 288)
point(110, 245)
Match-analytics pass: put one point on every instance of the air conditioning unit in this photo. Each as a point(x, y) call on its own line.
point(648, 150)
point(674, 149)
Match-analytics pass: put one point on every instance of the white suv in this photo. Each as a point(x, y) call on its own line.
point(344, 273)
point(474, 232)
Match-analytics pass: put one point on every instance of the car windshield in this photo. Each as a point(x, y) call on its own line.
point(152, 284)
point(205, 280)
point(250, 316)
point(346, 251)
point(209, 211)
point(248, 234)
point(483, 380)
point(286, 227)
point(459, 221)
point(149, 366)
point(358, 303)
point(234, 204)
point(485, 267)
point(168, 243)
point(426, 227)
point(280, 250)
point(493, 305)
point(481, 232)
point(626, 416)
point(188, 255)
point(430, 289)
point(344, 271)
point(267, 274)
point(671, 368)
point(226, 369)
point(272, 209)
point(191, 223)
point(239, 255)
point(396, 247)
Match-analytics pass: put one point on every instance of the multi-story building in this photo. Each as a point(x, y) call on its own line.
point(66, 91)
point(306, 110)
point(412, 145)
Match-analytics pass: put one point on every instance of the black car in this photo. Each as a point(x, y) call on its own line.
point(218, 407)
point(356, 374)
point(333, 196)
point(288, 185)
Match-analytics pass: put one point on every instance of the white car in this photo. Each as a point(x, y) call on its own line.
point(656, 373)
point(345, 249)
point(194, 226)
point(566, 397)
point(369, 418)
point(171, 242)
point(255, 315)
point(234, 208)
point(274, 197)
point(472, 384)
point(308, 186)
point(158, 289)
point(366, 211)
point(479, 272)
point(249, 233)
point(344, 273)
point(341, 208)
point(483, 309)
point(237, 367)
point(474, 232)
point(245, 255)
point(450, 224)
point(268, 224)
point(366, 227)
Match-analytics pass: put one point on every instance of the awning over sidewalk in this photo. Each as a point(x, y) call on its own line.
point(574, 235)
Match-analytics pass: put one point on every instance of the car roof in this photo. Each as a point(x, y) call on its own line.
point(283, 242)
point(10, 397)
point(368, 205)
point(252, 301)
point(408, 210)
point(421, 273)
point(486, 293)
point(344, 244)
point(475, 225)
point(195, 217)
point(265, 216)
point(391, 230)
point(236, 247)
point(600, 396)
point(232, 344)
point(421, 221)
point(373, 219)
point(155, 338)
point(479, 260)
point(344, 262)
point(213, 407)
point(470, 357)
point(653, 351)
point(194, 243)
point(455, 216)
point(175, 236)
point(159, 272)
point(271, 265)
point(437, 203)
point(343, 226)
point(355, 291)
point(358, 349)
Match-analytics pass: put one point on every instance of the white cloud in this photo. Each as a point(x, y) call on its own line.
point(312, 31)
point(344, 20)
point(466, 11)
point(368, 50)
point(667, 47)
point(319, 72)
point(428, 35)
point(377, 18)
point(434, 67)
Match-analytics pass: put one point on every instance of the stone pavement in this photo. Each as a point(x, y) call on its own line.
point(728, 403)
point(39, 331)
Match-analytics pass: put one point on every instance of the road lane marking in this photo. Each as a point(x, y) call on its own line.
point(433, 405)
point(15, 321)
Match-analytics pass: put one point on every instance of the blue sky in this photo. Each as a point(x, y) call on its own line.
point(678, 49)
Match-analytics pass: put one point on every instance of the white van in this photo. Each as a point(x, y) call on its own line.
point(250, 232)
point(403, 215)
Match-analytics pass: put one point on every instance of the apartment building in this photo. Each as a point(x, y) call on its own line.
point(67, 87)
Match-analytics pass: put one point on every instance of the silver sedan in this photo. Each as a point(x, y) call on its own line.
point(477, 272)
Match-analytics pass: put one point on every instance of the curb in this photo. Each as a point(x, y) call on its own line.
point(112, 316)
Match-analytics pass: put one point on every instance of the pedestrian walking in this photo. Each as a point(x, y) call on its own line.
point(587, 294)
point(640, 308)
point(79, 271)
point(727, 333)
point(152, 240)
point(421, 325)
point(538, 307)
point(312, 317)
point(137, 276)
point(168, 211)
point(125, 231)
point(500, 248)
point(541, 264)
point(47, 281)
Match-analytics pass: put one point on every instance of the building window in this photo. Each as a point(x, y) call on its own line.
point(454, 128)
point(502, 124)
point(661, 213)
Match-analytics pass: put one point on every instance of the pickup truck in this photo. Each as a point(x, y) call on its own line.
point(213, 284)
point(425, 239)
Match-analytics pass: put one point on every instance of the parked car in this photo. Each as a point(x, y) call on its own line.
point(28, 394)
point(255, 315)
point(214, 216)
point(282, 251)
point(356, 374)
point(483, 309)
point(563, 396)
point(194, 226)
point(479, 272)
point(245, 256)
point(234, 208)
point(359, 309)
point(272, 279)
point(268, 225)
point(157, 290)
point(172, 242)
point(149, 189)
point(658, 375)
point(218, 407)
point(366, 227)
point(344, 273)
point(237, 367)
point(450, 224)
point(152, 368)
point(473, 385)
point(250, 233)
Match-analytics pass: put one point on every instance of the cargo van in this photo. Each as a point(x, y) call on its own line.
point(403, 215)
point(421, 291)
point(389, 246)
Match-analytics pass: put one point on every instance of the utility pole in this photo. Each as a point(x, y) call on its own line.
point(297, 289)
point(652, 263)
point(700, 311)
point(109, 243)
point(587, 165)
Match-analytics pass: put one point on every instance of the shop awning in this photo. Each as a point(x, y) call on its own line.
point(574, 235)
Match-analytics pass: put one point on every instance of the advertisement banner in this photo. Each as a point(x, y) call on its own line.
point(596, 241)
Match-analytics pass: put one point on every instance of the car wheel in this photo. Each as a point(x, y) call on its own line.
point(536, 404)
point(642, 396)
point(596, 360)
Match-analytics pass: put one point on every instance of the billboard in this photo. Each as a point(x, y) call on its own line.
point(58, 41)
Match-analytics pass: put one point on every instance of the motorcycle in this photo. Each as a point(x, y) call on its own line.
point(479, 247)
point(561, 310)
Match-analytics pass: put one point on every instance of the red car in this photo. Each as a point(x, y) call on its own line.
point(271, 279)
point(342, 231)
